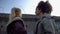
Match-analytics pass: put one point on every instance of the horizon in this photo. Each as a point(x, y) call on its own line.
point(27, 6)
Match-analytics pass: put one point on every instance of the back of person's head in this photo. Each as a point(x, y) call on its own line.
point(44, 6)
point(15, 12)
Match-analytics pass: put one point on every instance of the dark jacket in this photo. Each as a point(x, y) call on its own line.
point(16, 26)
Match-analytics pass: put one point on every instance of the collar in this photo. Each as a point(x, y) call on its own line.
point(46, 15)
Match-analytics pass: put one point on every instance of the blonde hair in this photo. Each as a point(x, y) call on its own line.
point(14, 14)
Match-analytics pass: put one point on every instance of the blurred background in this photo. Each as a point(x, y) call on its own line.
point(27, 6)
point(28, 10)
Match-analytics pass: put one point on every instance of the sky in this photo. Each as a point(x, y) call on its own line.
point(27, 6)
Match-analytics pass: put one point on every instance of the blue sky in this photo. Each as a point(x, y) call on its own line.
point(24, 5)
point(6, 5)
point(27, 6)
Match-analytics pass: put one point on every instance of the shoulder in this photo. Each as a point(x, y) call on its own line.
point(47, 20)
point(15, 20)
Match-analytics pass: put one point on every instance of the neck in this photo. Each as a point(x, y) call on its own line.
point(45, 14)
point(17, 15)
point(40, 15)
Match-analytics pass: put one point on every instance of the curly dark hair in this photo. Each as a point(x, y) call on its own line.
point(44, 6)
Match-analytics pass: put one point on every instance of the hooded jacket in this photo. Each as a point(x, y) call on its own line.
point(16, 26)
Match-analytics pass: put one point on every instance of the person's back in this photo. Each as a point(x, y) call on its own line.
point(45, 25)
point(16, 27)
point(16, 24)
